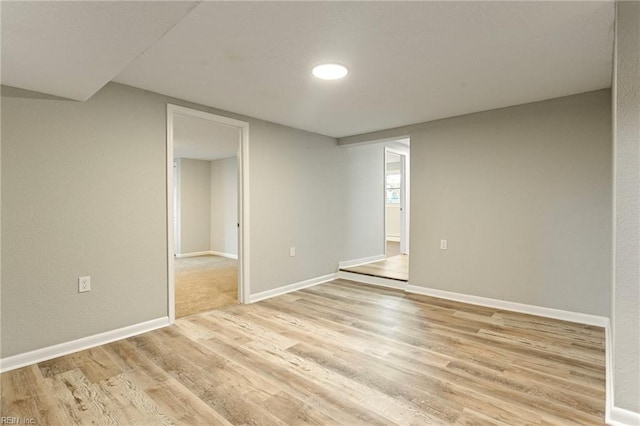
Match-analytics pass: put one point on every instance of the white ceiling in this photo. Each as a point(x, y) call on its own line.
point(409, 61)
point(201, 139)
point(72, 49)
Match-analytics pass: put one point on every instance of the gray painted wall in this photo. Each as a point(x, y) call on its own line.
point(296, 183)
point(195, 205)
point(83, 193)
point(363, 202)
point(626, 291)
point(224, 205)
point(523, 196)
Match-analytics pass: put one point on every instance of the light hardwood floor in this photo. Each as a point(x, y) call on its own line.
point(339, 353)
point(395, 268)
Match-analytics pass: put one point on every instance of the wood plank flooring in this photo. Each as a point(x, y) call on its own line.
point(339, 353)
point(395, 268)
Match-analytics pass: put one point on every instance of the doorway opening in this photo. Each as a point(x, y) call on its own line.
point(207, 182)
point(395, 200)
point(393, 216)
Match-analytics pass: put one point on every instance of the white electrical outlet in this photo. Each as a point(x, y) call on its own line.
point(292, 252)
point(84, 284)
point(443, 244)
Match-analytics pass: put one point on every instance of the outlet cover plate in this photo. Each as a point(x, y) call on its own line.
point(84, 284)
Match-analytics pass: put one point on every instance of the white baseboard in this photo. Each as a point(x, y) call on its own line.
point(207, 253)
point(371, 280)
point(394, 238)
point(513, 306)
point(363, 261)
point(608, 373)
point(44, 354)
point(291, 287)
point(193, 254)
point(614, 416)
point(222, 254)
point(621, 417)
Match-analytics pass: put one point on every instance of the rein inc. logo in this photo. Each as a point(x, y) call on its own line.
point(17, 421)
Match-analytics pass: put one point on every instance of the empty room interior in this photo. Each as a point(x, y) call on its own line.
point(330, 213)
point(205, 214)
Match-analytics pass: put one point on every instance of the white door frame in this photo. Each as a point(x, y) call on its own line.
point(243, 202)
point(404, 199)
point(176, 212)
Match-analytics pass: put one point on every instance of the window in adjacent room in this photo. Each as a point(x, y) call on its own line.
point(393, 188)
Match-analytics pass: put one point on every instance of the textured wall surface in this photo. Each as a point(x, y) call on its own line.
point(363, 204)
point(523, 196)
point(195, 205)
point(84, 193)
point(224, 205)
point(626, 303)
point(296, 180)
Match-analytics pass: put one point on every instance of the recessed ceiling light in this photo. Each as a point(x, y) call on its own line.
point(330, 71)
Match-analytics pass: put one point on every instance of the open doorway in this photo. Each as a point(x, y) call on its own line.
point(396, 202)
point(393, 198)
point(387, 162)
point(207, 250)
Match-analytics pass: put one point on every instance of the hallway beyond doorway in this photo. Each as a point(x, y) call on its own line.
point(393, 248)
point(393, 267)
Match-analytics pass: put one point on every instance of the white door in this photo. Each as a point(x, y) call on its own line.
point(403, 205)
point(397, 198)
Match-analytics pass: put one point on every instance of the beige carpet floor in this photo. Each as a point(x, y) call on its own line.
point(204, 283)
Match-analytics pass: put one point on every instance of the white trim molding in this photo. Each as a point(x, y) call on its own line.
point(222, 254)
point(608, 372)
point(362, 261)
point(193, 254)
point(50, 352)
point(371, 280)
point(512, 306)
point(620, 417)
point(207, 253)
point(291, 287)
point(243, 257)
point(171, 224)
point(614, 416)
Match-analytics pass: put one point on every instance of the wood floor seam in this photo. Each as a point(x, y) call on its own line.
point(339, 353)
